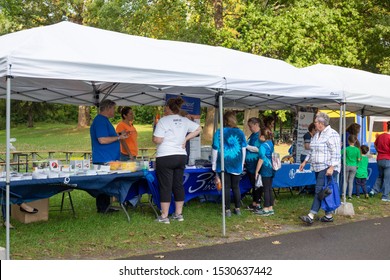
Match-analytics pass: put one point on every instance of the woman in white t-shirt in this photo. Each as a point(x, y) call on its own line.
point(171, 135)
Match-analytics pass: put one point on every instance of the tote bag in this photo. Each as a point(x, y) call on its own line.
point(332, 201)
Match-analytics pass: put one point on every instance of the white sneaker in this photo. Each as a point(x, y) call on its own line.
point(10, 226)
point(178, 217)
point(163, 220)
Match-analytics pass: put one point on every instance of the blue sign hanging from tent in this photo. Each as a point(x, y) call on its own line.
point(191, 105)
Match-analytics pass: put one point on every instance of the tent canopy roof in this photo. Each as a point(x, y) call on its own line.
point(75, 64)
point(365, 93)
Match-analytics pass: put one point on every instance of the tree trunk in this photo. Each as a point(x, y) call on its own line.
point(29, 108)
point(249, 113)
point(218, 14)
point(208, 129)
point(30, 116)
point(84, 119)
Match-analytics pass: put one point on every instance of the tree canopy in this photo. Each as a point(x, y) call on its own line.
point(350, 33)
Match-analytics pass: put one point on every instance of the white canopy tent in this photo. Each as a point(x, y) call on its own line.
point(73, 64)
point(365, 93)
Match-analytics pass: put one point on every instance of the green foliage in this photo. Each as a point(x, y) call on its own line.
point(163, 19)
point(353, 33)
point(302, 34)
point(144, 114)
point(39, 112)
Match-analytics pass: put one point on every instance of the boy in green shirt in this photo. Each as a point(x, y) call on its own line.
point(352, 157)
point(362, 172)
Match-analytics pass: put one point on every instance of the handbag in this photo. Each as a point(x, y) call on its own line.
point(332, 201)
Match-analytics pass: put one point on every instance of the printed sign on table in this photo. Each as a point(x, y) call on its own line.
point(304, 120)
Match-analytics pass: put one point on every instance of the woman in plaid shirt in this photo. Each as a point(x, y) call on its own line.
point(325, 160)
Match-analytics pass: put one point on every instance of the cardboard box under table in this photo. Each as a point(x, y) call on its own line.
point(43, 212)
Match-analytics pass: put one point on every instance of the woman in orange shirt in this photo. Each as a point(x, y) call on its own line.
point(129, 146)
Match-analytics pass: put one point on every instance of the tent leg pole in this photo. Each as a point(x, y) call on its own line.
point(220, 103)
point(8, 137)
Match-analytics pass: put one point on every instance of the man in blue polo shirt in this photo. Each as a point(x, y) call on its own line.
point(105, 144)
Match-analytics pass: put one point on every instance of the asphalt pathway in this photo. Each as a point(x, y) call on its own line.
point(364, 240)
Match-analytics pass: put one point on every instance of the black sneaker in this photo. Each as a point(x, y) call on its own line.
point(109, 210)
point(325, 219)
point(306, 219)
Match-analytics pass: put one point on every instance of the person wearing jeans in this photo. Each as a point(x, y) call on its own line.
point(325, 160)
point(382, 183)
point(320, 182)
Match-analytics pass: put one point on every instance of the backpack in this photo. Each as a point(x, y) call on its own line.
point(276, 162)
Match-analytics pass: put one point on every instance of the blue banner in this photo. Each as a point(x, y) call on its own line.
point(197, 182)
point(191, 104)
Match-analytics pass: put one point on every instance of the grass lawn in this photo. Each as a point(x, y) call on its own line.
point(90, 235)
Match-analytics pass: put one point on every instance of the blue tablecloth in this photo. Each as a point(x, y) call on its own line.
point(197, 182)
point(289, 176)
point(118, 185)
